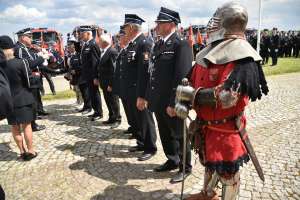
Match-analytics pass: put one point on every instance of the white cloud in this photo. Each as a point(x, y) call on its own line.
point(22, 14)
point(64, 15)
point(70, 21)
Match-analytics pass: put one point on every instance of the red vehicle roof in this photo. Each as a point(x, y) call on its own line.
point(43, 30)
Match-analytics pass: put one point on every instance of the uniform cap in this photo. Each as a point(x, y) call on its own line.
point(25, 31)
point(133, 19)
point(167, 15)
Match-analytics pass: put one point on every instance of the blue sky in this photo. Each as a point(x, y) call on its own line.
point(64, 15)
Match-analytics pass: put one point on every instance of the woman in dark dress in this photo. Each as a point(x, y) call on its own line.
point(17, 72)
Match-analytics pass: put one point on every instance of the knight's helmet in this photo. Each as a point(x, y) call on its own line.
point(229, 21)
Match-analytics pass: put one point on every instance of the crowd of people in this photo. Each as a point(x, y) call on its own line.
point(276, 44)
point(146, 74)
point(23, 67)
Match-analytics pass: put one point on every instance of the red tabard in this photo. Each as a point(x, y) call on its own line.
point(224, 150)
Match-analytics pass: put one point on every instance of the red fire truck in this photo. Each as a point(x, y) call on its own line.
point(48, 38)
point(52, 41)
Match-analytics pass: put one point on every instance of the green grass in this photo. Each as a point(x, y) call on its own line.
point(284, 65)
point(60, 95)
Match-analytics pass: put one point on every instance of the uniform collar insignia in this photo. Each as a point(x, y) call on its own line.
point(169, 42)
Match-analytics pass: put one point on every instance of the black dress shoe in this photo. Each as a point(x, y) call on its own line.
point(179, 177)
point(115, 125)
point(167, 166)
point(146, 156)
point(79, 110)
point(86, 111)
point(23, 155)
point(96, 117)
point(110, 121)
point(135, 149)
point(92, 115)
point(128, 131)
point(83, 109)
point(29, 156)
point(38, 128)
point(42, 113)
point(132, 137)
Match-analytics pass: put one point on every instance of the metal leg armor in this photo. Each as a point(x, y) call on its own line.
point(208, 192)
point(210, 182)
point(230, 187)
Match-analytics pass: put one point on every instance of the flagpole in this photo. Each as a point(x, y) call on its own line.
point(259, 27)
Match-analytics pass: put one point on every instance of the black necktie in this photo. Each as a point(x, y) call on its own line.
point(160, 42)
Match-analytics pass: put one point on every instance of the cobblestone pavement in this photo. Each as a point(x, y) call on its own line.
point(79, 159)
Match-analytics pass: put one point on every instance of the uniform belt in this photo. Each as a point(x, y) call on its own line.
point(215, 122)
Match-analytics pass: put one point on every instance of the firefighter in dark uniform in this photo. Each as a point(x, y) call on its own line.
point(38, 73)
point(264, 48)
point(74, 67)
point(289, 45)
point(82, 83)
point(90, 54)
point(116, 82)
point(133, 82)
point(274, 47)
point(171, 61)
point(22, 50)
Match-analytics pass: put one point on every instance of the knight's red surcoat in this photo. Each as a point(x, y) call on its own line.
point(224, 150)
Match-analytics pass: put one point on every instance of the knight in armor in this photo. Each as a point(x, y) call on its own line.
point(226, 75)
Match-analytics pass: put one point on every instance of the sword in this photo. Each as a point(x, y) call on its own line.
point(183, 158)
point(244, 136)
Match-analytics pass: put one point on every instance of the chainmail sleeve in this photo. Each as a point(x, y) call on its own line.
point(248, 79)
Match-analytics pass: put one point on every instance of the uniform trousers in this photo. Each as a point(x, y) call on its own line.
point(95, 98)
point(171, 136)
point(113, 105)
point(85, 96)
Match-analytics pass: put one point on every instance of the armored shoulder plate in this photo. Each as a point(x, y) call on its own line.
point(227, 51)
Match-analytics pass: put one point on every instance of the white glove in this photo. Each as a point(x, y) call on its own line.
point(40, 54)
point(45, 63)
point(46, 56)
point(44, 51)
